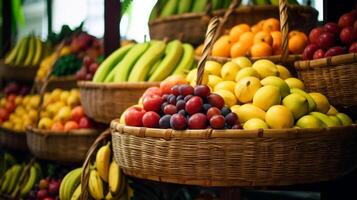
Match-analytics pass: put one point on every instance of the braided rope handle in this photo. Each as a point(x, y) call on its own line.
point(284, 28)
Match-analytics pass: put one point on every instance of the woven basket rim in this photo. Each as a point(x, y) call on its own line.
point(222, 11)
point(7, 130)
point(78, 133)
point(131, 85)
point(290, 58)
point(333, 61)
point(231, 133)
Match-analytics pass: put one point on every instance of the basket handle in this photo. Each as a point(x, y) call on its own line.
point(284, 28)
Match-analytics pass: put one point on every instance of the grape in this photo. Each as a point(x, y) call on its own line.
point(178, 122)
point(225, 111)
point(231, 118)
point(164, 121)
point(202, 90)
point(215, 100)
point(217, 122)
point(170, 109)
point(197, 121)
point(188, 97)
point(175, 90)
point(186, 89)
point(180, 104)
point(194, 105)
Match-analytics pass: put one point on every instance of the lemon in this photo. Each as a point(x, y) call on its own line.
point(295, 83)
point(265, 68)
point(213, 67)
point(249, 111)
point(213, 80)
point(279, 116)
point(245, 72)
point(246, 88)
point(229, 71)
point(283, 72)
point(322, 103)
point(235, 109)
point(225, 85)
point(254, 124)
point(243, 62)
point(229, 98)
point(267, 96)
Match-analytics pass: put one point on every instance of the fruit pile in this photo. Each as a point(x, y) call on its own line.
point(150, 61)
point(29, 51)
point(106, 180)
point(46, 189)
point(261, 40)
point(88, 69)
point(16, 89)
point(62, 111)
point(333, 38)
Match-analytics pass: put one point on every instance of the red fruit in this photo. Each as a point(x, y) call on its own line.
point(314, 34)
point(81, 74)
point(53, 187)
point(133, 116)
point(175, 90)
point(332, 28)
point(151, 119)
point(93, 67)
point(10, 106)
point(152, 102)
point(42, 194)
point(170, 81)
point(77, 113)
point(348, 35)
point(185, 89)
point(49, 198)
point(43, 184)
point(4, 114)
point(334, 51)
point(194, 105)
point(89, 77)
point(11, 97)
point(215, 100)
point(170, 109)
point(237, 126)
point(212, 112)
point(178, 122)
point(57, 126)
point(309, 51)
point(152, 90)
point(202, 90)
point(346, 20)
point(87, 61)
point(353, 48)
point(326, 40)
point(231, 118)
point(84, 123)
point(70, 125)
point(318, 54)
point(217, 122)
point(197, 121)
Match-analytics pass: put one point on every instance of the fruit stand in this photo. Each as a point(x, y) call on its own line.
point(226, 101)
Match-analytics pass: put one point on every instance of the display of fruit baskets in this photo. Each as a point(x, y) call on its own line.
point(105, 102)
point(17, 73)
point(11, 139)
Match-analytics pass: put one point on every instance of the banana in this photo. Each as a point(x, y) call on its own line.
point(31, 51)
point(146, 61)
point(102, 161)
point(311, 102)
point(95, 185)
point(70, 183)
point(173, 54)
point(324, 118)
point(114, 178)
point(30, 182)
point(184, 6)
point(153, 68)
point(38, 52)
point(122, 69)
point(22, 52)
point(6, 180)
point(186, 60)
point(199, 6)
point(14, 178)
point(216, 4)
point(109, 63)
point(77, 193)
point(11, 57)
point(170, 8)
point(153, 14)
point(226, 3)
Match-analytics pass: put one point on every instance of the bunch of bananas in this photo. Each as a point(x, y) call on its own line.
point(149, 61)
point(29, 51)
point(6, 161)
point(106, 180)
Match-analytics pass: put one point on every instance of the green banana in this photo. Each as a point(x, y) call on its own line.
point(184, 6)
point(11, 57)
point(30, 182)
point(261, 2)
point(146, 61)
point(216, 4)
point(6, 181)
point(199, 6)
point(22, 52)
point(345, 119)
point(31, 51)
point(311, 102)
point(186, 60)
point(153, 68)
point(14, 178)
point(38, 52)
point(324, 118)
point(122, 69)
point(154, 13)
point(109, 63)
point(77, 193)
point(169, 9)
point(95, 185)
point(70, 183)
point(173, 54)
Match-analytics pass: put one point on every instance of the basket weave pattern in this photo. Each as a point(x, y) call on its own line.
point(13, 139)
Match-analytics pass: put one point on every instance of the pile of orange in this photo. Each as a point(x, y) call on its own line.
point(261, 40)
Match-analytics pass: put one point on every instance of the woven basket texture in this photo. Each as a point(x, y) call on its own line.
point(17, 73)
point(14, 140)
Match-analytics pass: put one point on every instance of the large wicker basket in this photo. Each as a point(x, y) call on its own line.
point(17, 73)
point(105, 102)
point(336, 77)
point(14, 140)
point(63, 147)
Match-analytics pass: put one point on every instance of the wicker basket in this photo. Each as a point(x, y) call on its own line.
point(105, 102)
point(63, 147)
point(65, 83)
point(336, 77)
point(14, 140)
point(17, 73)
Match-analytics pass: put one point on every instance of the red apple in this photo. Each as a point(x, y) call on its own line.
point(334, 51)
point(11, 97)
point(318, 54)
point(326, 40)
point(4, 114)
point(134, 115)
point(77, 113)
point(332, 28)
point(353, 48)
point(152, 102)
point(347, 35)
point(314, 34)
point(152, 90)
point(85, 122)
point(309, 51)
point(151, 119)
point(10, 106)
point(346, 19)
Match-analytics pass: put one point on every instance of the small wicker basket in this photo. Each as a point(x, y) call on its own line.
point(105, 102)
point(17, 73)
point(14, 140)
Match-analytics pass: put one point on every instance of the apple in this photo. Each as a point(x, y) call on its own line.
point(10, 106)
point(326, 40)
point(85, 123)
point(347, 35)
point(314, 34)
point(152, 90)
point(152, 102)
point(134, 115)
point(318, 54)
point(353, 48)
point(334, 51)
point(77, 113)
point(151, 119)
point(4, 114)
point(71, 125)
point(346, 19)
point(309, 51)
point(53, 187)
point(332, 27)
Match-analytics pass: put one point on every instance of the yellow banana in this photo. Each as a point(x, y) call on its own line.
point(22, 52)
point(31, 51)
point(30, 182)
point(76, 193)
point(11, 57)
point(95, 185)
point(69, 184)
point(115, 177)
point(16, 172)
point(38, 52)
point(102, 161)
point(186, 61)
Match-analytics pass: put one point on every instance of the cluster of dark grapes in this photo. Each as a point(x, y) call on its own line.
point(87, 71)
point(46, 189)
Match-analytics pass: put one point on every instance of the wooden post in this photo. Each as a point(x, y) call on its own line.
point(49, 16)
point(6, 37)
point(111, 26)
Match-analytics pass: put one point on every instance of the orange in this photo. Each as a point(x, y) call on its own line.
point(271, 24)
point(247, 39)
point(255, 29)
point(296, 44)
point(263, 36)
point(295, 32)
point(237, 31)
point(261, 49)
point(260, 24)
point(277, 40)
point(222, 47)
point(70, 125)
point(239, 49)
point(199, 49)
